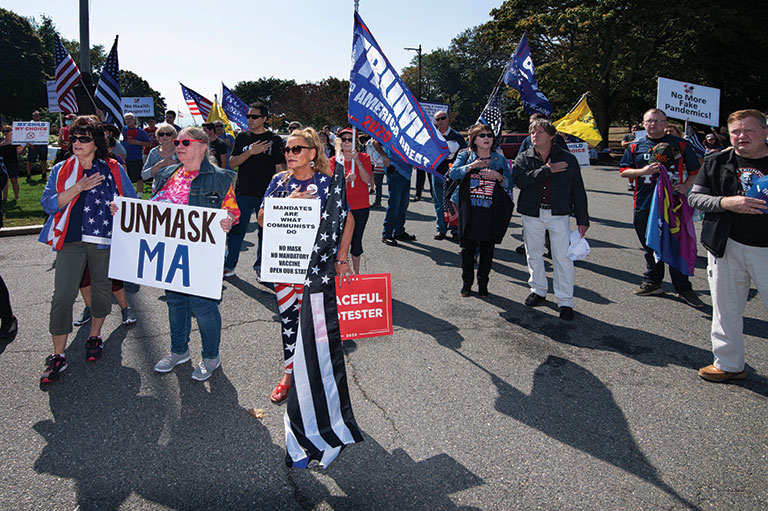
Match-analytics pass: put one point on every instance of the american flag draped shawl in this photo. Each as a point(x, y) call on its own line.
point(198, 105)
point(67, 76)
point(108, 95)
point(319, 421)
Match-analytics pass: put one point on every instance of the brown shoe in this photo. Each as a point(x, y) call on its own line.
point(712, 373)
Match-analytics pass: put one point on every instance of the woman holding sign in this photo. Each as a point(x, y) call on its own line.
point(77, 199)
point(357, 196)
point(194, 182)
point(307, 177)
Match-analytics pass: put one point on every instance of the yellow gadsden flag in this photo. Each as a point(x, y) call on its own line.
point(579, 122)
point(217, 114)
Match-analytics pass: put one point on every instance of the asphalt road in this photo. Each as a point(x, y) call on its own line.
point(471, 404)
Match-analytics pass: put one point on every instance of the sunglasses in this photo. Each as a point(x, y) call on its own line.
point(252, 116)
point(7, 131)
point(186, 142)
point(485, 135)
point(440, 118)
point(82, 139)
point(346, 139)
point(164, 134)
point(294, 149)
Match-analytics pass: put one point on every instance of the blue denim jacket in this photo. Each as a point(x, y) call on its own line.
point(208, 189)
point(461, 167)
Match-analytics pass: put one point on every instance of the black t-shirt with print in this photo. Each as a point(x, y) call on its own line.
point(255, 173)
point(750, 230)
point(218, 148)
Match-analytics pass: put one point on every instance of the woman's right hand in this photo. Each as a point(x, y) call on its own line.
point(296, 194)
point(90, 182)
point(480, 163)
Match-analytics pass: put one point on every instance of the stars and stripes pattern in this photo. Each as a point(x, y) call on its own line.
point(67, 76)
point(198, 105)
point(97, 219)
point(698, 147)
point(491, 114)
point(289, 298)
point(319, 421)
point(108, 89)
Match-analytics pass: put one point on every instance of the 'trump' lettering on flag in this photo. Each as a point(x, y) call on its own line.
point(521, 76)
point(108, 89)
point(491, 114)
point(198, 105)
point(381, 104)
point(67, 76)
point(319, 421)
point(235, 108)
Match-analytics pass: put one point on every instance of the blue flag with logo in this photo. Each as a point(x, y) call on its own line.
point(235, 108)
point(382, 106)
point(521, 76)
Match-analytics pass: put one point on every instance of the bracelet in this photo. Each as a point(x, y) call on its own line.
point(340, 262)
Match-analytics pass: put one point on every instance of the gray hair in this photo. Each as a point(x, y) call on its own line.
point(544, 124)
point(200, 134)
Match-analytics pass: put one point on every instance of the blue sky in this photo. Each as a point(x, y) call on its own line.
point(204, 43)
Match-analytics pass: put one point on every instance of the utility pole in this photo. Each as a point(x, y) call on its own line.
point(84, 101)
point(418, 51)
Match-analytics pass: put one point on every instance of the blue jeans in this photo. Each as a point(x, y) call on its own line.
point(397, 205)
point(247, 205)
point(438, 189)
point(181, 307)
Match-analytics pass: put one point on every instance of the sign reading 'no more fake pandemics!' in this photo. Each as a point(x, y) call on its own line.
point(169, 246)
point(290, 228)
point(689, 101)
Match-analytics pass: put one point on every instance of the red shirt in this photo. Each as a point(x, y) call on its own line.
point(357, 196)
point(64, 138)
point(152, 138)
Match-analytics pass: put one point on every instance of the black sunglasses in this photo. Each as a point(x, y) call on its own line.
point(186, 142)
point(346, 139)
point(253, 116)
point(84, 139)
point(440, 118)
point(294, 149)
point(164, 134)
point(485, 135)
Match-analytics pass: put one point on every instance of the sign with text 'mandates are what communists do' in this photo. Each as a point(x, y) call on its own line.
point(290, 228)
point(169, 246)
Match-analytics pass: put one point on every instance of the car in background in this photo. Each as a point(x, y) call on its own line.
point(510, 144)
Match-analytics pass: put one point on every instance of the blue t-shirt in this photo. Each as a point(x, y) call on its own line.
point(638, 154)
point(134, 152)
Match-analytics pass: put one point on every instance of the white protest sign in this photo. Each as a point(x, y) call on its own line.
point(53, 98)
point(30, 132)
point(290, 227)
point(581, 151)
point(430, 109)
point(140, 107)
point(689, 101)
point(168, 246)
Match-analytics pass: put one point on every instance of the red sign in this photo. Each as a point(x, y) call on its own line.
point(365, 306)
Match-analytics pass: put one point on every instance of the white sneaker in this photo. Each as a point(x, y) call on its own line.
point(229, 272)
point(167, 364)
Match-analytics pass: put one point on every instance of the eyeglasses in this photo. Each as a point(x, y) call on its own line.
point(440, 118)
point(253, 116)
point(655, 121)
point(346, 139)
point(187, 141)
point(164, 134)
point(294, 149)
point(84, 139)
point(485, 135)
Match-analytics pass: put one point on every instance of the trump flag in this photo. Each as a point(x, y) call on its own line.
point(521, 76)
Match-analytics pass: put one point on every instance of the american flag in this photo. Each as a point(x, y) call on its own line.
point(698, 147)
point(318, 417)
point(108, 89)
point(67, 75)
point(491, 114)
point(198, 105)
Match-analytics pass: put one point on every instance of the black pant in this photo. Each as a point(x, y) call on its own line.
point(654, 271)
point(5, 303)
point(421, 176)
point(468, 249)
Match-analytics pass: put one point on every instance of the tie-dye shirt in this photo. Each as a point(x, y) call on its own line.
point(176, 191)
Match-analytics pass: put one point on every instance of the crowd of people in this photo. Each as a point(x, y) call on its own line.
point(472, 192)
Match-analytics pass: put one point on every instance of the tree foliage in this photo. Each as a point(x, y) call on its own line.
point(263, 89)
point(314, 103)
point(22, 61)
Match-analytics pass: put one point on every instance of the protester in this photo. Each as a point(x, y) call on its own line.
point(136, 139)
point(551, 188)
point(735, 233)
point(455, 143)
point(217, 148)
point(150, 129)
point(64, 151)
point(119, 149)
point(37, 152)
point(711, 145)
point(636, 166)
point(111, 144)
point(258, 156)
point(357, 189)
point(9, 325)
point(399, 183)
point(10, 155)
point(325, 143)
point(163, 155)
point(630, 137)
point(170, 118)
point(307, 177)
point(485, 205)
point(379, 162)
point(194, 182)
point(3, 184)
point(674, 129)
point(225, 137)
point(293, 126)
point(79, 230)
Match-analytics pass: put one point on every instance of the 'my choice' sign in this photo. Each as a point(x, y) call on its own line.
point(689, 101)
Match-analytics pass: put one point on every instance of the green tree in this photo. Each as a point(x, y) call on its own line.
point(47, 31)
point(314, 104)
point(22, 61)
point(263, 89)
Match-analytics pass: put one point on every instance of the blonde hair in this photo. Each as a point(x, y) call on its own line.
point(167, 127)
point(313, 142)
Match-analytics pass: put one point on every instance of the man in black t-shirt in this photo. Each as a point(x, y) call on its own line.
point(258, 155)
point(735, 232)
point(217, 146)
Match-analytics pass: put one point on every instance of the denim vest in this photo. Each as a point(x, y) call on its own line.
point(207, 189)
